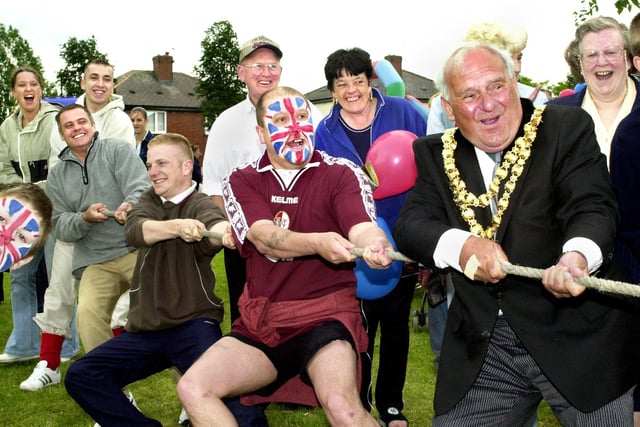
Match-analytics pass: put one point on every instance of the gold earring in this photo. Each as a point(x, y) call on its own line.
point(335, 101)
point(370, 96)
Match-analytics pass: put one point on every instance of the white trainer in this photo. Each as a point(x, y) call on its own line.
point(41, 377)
point(131, 399)
point(183, 419)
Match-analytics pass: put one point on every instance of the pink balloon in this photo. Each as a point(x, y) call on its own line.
point(566, 92)
point(391, 158)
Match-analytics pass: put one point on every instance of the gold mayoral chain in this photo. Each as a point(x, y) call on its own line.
point(514, 160)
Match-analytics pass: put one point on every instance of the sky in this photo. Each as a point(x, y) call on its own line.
point(424, 33)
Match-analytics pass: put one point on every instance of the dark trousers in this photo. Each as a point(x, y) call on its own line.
point(95, 381)
point(510, 385)
point(42, 283)
point(391, 314)
point(236, 270)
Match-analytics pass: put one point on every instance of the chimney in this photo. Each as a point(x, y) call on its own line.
point(396, 61)
point(163, 67)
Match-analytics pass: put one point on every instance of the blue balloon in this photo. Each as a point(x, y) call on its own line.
point(579, 87)
point(373, 283)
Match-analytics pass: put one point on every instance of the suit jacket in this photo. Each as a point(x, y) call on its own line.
point(580, 344)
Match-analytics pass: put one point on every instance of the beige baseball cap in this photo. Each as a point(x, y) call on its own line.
point(259, 42)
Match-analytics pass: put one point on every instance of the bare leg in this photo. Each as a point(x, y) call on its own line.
point(333, 372)
point(228, 368)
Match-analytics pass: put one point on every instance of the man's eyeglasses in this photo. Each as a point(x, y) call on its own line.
point(612, 54)
point(258, 69)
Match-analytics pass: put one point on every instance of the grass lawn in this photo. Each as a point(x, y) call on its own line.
point(156, 396)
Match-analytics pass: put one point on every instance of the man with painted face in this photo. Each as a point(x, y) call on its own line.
point(296, 214)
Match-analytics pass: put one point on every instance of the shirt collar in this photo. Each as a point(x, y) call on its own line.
point(178, 198)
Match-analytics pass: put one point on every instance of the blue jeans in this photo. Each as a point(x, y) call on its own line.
point(25, 336)
point(24, 339)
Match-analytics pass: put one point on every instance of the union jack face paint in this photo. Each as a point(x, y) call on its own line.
point(291, 129)
point(19, 228)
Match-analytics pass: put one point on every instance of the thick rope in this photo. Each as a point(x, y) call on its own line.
point(203, 233)
point(396, 256)
point(602, 285)
point(359, 252)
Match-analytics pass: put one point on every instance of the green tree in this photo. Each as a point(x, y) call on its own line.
point(76, 54)
point(219, 86)
point(553, 89)
point(569, 83)
point(589, 8)
point(14, 52)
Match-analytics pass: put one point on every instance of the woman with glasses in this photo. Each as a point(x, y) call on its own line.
point(611, 98)
point(603, 52)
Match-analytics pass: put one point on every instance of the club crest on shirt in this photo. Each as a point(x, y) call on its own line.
point(281, 219)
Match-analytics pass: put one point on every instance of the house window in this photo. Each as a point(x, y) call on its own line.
point(157, 121)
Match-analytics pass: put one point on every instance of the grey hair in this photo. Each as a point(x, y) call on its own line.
point(455, 63)
point(601, 23)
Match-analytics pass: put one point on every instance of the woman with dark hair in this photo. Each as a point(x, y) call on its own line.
point(362, 114)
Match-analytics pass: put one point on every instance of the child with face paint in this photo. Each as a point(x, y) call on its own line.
point(296, 213)
point(27, 157)
point(25, 223)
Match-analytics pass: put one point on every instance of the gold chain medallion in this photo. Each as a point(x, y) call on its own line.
point(511, 168)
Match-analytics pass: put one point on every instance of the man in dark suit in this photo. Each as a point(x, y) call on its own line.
point(512, 341)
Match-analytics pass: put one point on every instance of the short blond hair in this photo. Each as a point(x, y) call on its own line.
point(512, 38)
point(176, 140)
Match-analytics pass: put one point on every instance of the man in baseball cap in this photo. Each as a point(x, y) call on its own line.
point(256, 43)
point(260, 70)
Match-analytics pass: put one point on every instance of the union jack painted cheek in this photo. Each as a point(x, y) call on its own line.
point(293, 140)
point(19, 228)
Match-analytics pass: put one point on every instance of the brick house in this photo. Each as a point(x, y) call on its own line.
point(169, 98)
